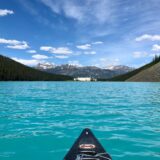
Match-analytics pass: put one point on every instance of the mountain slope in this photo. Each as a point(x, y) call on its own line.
point(151, 74)
point(12, 70)
point(128, 76)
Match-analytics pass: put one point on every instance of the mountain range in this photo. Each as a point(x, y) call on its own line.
point(86, 71)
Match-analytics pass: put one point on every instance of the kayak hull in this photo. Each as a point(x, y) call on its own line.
point(87, 146)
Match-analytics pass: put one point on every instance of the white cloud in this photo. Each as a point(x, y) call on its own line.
point(62, 50)
point(91, 52)
point(148, 37)
point(46, 48)
point(5, 12)
point(31, 62)
point(84, 47)
point(31, 51)
point(74, 63)
point(14, 44)
point(156, 47)
point(23, 45)
point(140, 54)
point(98, 42)
point(62, 57)
point(40, 56)
point(59, 50)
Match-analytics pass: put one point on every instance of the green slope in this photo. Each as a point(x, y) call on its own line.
point(127, 76)
point(11, 70)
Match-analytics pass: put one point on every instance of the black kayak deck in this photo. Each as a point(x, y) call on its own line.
point(87, 147)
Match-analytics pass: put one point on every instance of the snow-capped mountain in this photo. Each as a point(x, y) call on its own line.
point(45, 66)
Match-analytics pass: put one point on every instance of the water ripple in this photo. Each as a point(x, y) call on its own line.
point(46, 117)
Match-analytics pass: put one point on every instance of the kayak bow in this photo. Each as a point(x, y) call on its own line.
point(87, 147)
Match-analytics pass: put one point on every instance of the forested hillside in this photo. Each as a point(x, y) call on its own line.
point(11, 70)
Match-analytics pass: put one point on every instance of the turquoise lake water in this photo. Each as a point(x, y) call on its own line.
point(41, 120)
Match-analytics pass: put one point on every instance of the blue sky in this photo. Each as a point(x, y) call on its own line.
point(82, 32)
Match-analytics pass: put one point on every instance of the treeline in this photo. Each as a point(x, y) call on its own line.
point(128, 75)
point(156, 59)
point(11, 70)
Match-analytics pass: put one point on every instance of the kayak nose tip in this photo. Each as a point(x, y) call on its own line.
point(87, 130)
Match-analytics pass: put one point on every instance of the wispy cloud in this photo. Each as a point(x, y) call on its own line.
point(156, 47)
point(84, 47)
point(31, 51)
point(5, 12)
point(59, 50)
point(62, 57)
point(88, 45)
point(90, 52)
point(14, 44)
point(98, 42)
point(86, 11)
point(139, 54)
point(148, 37)
point(40, 56)
point(23, 45)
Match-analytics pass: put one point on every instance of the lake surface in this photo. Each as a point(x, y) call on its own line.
point(41, 120)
